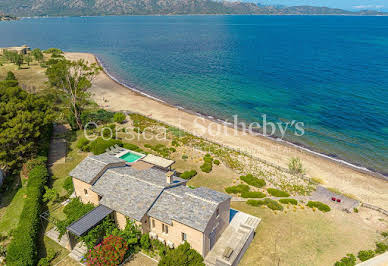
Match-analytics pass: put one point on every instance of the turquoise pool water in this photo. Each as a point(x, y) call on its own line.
point(130, 157)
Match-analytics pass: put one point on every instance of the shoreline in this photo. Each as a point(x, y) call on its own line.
point(224, 123)
point(366, 186)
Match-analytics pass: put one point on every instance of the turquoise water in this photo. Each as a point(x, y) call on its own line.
point(329, 72)
point(130, 157)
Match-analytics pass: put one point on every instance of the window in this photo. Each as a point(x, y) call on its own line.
point(165, 228)
point(184, 237)
point(217, 212)
point(153, 223)
point(86, 191)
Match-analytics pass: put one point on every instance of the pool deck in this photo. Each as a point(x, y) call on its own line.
point(236, 237)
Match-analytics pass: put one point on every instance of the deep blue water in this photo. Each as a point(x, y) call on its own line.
point(329, 72)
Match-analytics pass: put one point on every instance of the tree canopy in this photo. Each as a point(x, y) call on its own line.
point(23, 119)
point(73, 79)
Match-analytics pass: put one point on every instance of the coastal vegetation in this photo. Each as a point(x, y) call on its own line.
point(319, 205)
point(253, 181)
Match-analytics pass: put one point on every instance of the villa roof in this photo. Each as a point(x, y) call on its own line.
point(92, 166)
point(126, 194)
point(137, 191)
point(159, 161)
point(192, 207)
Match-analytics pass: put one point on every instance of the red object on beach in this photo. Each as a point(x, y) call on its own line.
point(333, 199)
point(338, 200)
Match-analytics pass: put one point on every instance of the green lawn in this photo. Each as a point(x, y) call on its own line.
point(13, 202)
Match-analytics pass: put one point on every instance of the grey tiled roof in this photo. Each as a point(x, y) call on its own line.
point(209, 194)
point(125, 194)
point(136, 192)
point(153, 175)
point(179, 204)
point(89, 220)
point(91, 166)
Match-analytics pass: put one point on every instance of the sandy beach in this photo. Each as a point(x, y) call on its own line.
point(363, 185)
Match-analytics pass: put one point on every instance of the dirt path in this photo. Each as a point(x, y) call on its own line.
point(58, 146)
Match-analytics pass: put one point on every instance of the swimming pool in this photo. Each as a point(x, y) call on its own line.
point(130, 157)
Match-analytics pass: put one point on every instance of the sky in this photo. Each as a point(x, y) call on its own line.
point(343, 4)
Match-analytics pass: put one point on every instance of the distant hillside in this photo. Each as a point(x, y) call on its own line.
point(23, 8)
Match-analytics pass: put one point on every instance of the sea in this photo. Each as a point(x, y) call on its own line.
point(328, 72)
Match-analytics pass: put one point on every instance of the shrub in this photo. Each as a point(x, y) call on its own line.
point(99, 145)
point(53, 51)
point(207, 165)
point(277, 193)
point(364, 255)
point(217, 162)
point(132, 147)
point(100, 116)
point(349, 260)
point(83, 143)
point(68, 185)
point(381, 247)
point(252, 194)
point(384, 234)
point(23, 248)
point(253, 181)
point(289, 201)
point(185, 157)
point(237, 189)
point(273, 204)
point(110, 252)
point(145, 242)
point(119, 118)
point(319, 205)
point(182, 255)
point(295, 166)
point(50, 195)
point(355, 210)
point(175, 143)
point(188, 174)
point(10, 76)
point(255, 202)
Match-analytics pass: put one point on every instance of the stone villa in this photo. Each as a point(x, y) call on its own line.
point(147, 191)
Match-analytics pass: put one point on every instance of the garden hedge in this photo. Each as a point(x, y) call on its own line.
point(23, 248)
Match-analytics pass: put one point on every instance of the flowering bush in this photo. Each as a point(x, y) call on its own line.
point(110, 251)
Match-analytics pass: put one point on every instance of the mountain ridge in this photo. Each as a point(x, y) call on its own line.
point(25, 8)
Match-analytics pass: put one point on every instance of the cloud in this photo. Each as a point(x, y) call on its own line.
point(368, 6)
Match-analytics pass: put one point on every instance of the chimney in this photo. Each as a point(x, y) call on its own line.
point(169, 177)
